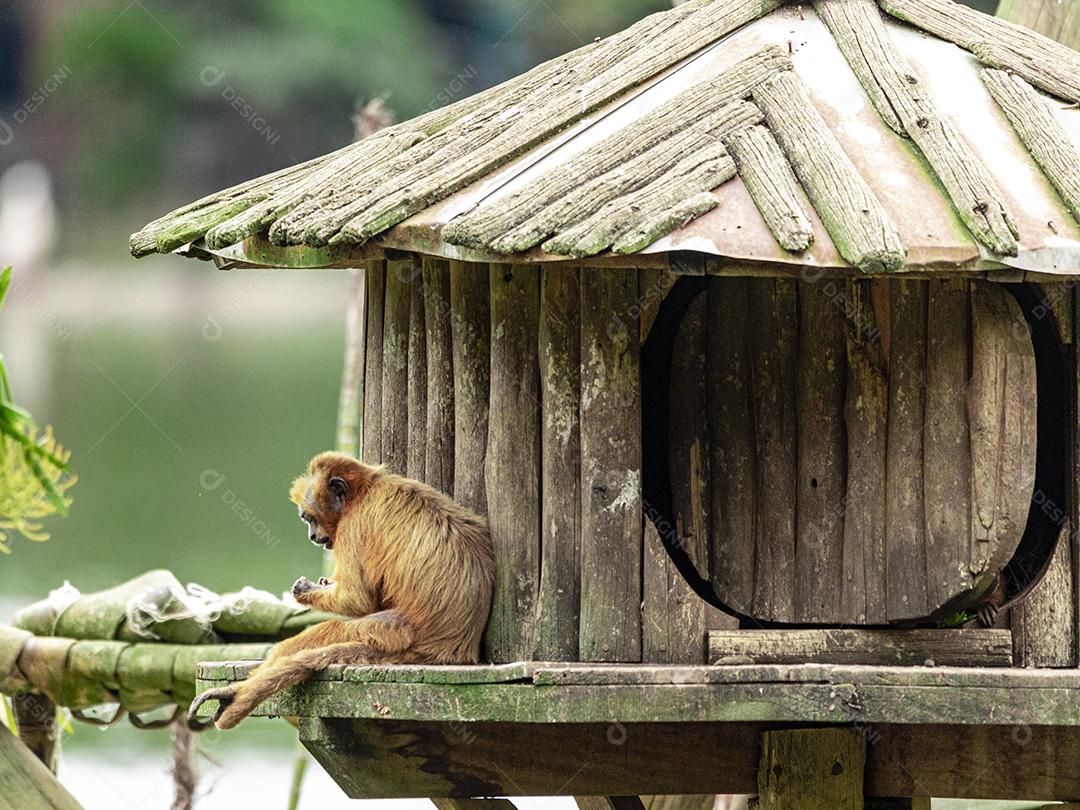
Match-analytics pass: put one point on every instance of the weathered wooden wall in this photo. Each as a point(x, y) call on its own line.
point(855, 452)
point(516, 389)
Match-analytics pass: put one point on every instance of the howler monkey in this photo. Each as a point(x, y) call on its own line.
point(414, 568)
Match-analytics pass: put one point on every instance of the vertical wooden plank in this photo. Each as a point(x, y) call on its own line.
point(673, 617)
point(29, 785)
point(439, 447)
point(1044, 623)
point(732, 455)
point(611, 528)
point(470, 327)
point(512, 467)
point(560, 535)
point(416, 458)
point(654, 285)
point(688, 431)
point(773, 340)
point(1072, 488)
point(822, 450)
point(866, 412)
point(1001, 406)
point(400, 276)
point(946, 446)
point(373, 363)
point(905, 521)
point(812, 769)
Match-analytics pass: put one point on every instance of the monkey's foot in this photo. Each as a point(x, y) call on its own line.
point(987, 615)
point(224, 695)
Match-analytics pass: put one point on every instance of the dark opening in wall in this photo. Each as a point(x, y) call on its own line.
point(1049, 506)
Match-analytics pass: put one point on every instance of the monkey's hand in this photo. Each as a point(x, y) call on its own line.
point(304, 590)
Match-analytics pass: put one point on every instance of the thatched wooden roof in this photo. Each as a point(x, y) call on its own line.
point(890, 135)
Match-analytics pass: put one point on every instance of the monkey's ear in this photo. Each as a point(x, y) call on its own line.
point(339, 488)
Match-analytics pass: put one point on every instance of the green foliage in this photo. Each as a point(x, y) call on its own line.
point(34, 474)
point(956, 620)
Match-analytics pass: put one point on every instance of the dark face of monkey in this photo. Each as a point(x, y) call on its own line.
point(323, 492)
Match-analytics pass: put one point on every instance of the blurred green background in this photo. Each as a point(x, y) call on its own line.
point(188, 397)
point(154, 373)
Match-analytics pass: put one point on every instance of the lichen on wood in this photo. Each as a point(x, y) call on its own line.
point(525, 218)
point(901, 95)
point(863, 232)
point(497, 133)
point(652, 210)
point(1042, 61)
point(1053, 149)
point(772, 185)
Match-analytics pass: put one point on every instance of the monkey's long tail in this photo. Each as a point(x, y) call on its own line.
point(272, 678)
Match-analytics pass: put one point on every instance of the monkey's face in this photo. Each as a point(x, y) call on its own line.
point(332, 480)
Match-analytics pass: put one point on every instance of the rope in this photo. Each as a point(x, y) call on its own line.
point(185, 780)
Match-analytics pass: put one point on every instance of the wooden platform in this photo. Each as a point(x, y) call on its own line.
point(573, 729)
point(577, 693)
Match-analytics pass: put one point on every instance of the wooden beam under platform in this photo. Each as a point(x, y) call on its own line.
point(623, 730)
point(375, 759)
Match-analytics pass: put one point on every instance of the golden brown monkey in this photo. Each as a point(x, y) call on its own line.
point(414, 568)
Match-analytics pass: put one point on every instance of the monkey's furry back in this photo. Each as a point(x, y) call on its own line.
point(424, 556)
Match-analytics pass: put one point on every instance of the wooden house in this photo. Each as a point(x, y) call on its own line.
point(751, 330)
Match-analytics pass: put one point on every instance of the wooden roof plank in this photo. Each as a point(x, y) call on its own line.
point(860, 227)
point(1043, 135)
point(671, 159)
point(1042, 61)
point(502, 131)
point(524, 219)
point(897, 91)
point(190, 222)
point(646, 213)
point(772, 184)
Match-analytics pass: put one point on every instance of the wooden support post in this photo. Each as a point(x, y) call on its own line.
point(704, 801)
point(812, 769)
point(26, 783)
point(609, 803)
point(473, 804)
point(35, 717)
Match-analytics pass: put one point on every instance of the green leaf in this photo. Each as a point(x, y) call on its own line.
point(11, 428)
point(5, 383)
point(5, 282)
point(43, 479)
